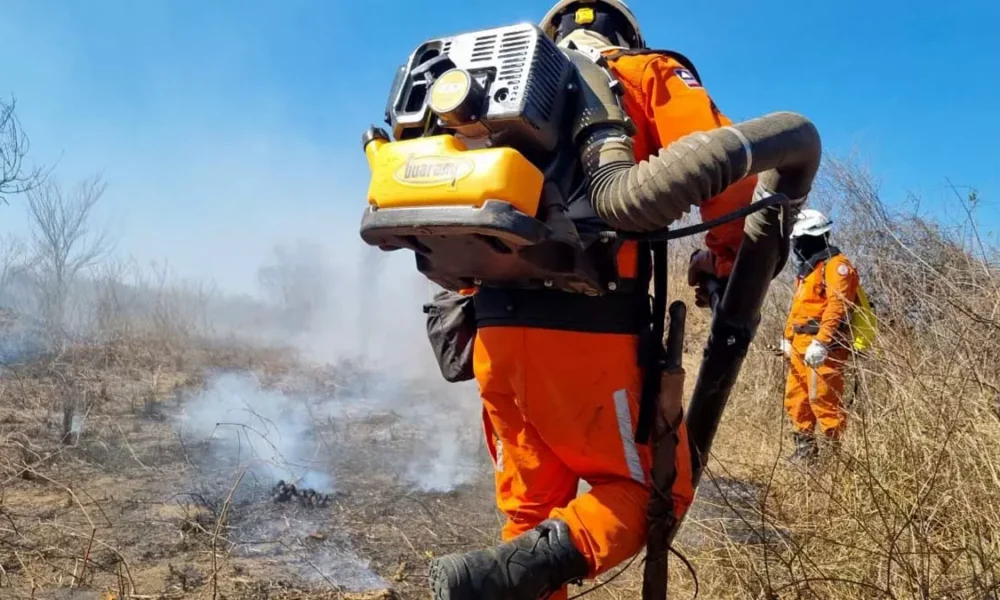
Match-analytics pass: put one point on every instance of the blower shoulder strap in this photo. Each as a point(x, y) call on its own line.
point(652, 354)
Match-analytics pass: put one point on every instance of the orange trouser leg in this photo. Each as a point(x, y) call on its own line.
point(531, 482)
point(815, 395)
point(797, 394)
point(560, 407)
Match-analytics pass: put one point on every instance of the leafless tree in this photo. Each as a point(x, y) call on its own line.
point(15, 177)
point(14, 260)
point(117, 297)
point(64, 242)
point(296, 281)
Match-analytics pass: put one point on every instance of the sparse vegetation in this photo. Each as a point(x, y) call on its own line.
point(908, 508)
point(105, 489)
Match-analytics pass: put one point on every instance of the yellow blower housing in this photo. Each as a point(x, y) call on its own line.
point(440, 171)
point(478, 142)
point(465, 213)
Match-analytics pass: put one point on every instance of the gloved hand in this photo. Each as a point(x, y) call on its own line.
point(702, 264)
point(786, 347)
point(816, 354)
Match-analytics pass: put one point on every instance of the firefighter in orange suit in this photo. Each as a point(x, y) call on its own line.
point(814, 342)
point(558, 372)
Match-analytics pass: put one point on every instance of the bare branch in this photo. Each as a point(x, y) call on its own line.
point(15, 177)
point(64, 242)
point(15, 259)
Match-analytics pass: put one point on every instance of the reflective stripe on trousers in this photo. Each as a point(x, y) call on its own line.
point(625, 429)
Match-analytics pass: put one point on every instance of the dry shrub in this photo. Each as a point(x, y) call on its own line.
point(910, 506)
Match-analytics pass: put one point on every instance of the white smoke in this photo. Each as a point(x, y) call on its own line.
point(366, 310)
point(419, 437)
point(445, 468)
point(262, 430)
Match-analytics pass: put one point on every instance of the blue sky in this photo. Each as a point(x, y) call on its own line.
point(223, 127)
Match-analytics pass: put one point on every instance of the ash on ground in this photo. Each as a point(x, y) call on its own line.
point(308, 497)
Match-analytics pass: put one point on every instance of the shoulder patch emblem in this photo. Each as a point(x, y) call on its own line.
point(843, 269)
point(688, 78)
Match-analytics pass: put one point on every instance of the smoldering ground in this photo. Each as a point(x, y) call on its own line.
point(363, 328)
point(289, 433)
point(367, 414)
point(345, 444)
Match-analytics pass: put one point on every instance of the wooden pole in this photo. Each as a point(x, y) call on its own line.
point(660, 512)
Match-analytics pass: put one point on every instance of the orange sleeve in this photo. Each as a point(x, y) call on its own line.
point(676, 108)
point(841, 292)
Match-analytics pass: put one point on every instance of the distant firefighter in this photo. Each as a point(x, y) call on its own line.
point(817, 338)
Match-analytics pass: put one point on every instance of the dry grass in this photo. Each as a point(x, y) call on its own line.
point(101, 497)
point(910, 507)
point(126, 506)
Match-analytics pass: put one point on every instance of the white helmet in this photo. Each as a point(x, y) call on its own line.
point(811, 222)
point(550, 23)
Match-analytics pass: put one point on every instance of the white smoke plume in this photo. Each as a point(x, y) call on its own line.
point(263, 430)
point(365, 311)
point(415, 432)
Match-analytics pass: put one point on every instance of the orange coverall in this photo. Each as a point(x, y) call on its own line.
point(820, 310)
point(561, 406)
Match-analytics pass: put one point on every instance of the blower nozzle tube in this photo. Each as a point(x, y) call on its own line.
point(783, 147)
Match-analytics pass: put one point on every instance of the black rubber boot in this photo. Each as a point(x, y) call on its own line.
point(531, 566)
point(806, 448)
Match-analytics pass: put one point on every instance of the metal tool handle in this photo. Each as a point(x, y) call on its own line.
point(675, 335)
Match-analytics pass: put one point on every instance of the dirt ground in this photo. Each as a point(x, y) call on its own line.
point(127, 506)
